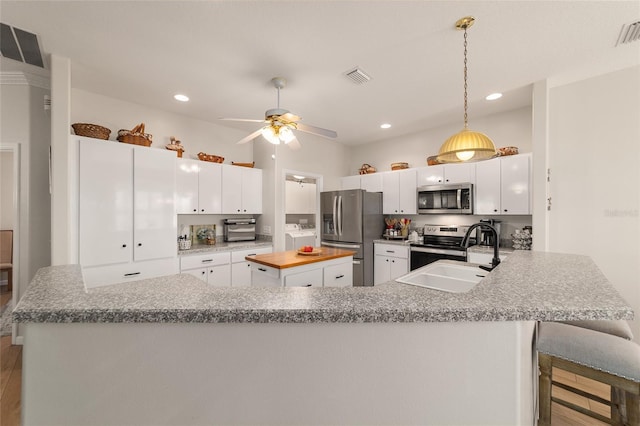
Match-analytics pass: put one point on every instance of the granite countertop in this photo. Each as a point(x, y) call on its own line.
point(527, 286)
point(292, 258)
point(222, 246)
point(397, 242)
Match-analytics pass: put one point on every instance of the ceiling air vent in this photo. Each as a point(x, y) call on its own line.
point(629, 32)
point(20, 45)
point(358, 76)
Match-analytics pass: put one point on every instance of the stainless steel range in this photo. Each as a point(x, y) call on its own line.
point(439, 242)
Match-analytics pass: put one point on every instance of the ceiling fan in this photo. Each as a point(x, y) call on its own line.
point(280, 124)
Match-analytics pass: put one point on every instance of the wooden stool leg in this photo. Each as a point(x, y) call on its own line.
point(544, 390)
point(633, 408)
point(618, 411)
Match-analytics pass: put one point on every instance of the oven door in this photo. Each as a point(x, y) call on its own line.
point(422, 256)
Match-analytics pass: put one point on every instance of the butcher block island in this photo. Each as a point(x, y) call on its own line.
point(176, 351)
point(318, 267)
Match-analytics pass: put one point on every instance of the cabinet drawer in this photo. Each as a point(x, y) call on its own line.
point(264, 276)
point(311, 278)
point(265, 271)
point(339, 275)
point(134, 271)
point(239, 255)
point(204, 260)
point(392, 250)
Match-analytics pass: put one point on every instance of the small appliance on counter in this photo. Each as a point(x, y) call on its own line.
point(486, 236)
point(242, 229)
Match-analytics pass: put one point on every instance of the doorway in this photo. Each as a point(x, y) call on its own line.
point(301, 205)
point(10, 220)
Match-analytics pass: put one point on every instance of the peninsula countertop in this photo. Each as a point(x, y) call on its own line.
point(291, 258)
point(527, 286)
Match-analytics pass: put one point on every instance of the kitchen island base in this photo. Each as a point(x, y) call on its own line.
point(279, 373)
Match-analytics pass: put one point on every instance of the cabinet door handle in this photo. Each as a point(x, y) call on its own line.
point(211, 271)
point(386, 260)
point(206, 260)
point(195, 210)
point(339, 276)
point(495, 210)
point(308, 285)
point(139, 244)
point(204, 272)
point(202, 210)
point(390, 251)
point(131, 274)
point(506, 210)
point(124, 246)
point(393, 261)
point(262, 269)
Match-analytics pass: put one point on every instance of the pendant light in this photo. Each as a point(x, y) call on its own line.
point(466, 145)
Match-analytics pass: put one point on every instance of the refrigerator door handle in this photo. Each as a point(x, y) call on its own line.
point(340, 215)
point(334, 218)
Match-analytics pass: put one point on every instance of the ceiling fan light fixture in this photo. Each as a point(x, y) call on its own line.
point(466, 145)
point(286, 135)
point(271, 135)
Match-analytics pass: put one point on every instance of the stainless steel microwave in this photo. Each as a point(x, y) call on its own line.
point(446, 199)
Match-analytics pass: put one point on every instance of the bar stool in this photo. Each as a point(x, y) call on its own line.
point(600, 356)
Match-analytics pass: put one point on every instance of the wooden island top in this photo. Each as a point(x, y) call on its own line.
point(291, 258)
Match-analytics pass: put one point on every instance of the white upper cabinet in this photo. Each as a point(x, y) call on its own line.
point(126, 203)
point(300, 198)
point(399, 192)
point(371, 182)
point(241, 190)
point(503, 185)
point(515, 187)
point(199, 187)
point(350, 182)
point(446, 173)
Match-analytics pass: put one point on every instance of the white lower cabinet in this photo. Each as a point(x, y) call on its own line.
point(241, 268)
point(95, 276)
point(212, 268)
point(330, 273)
point(390, 262)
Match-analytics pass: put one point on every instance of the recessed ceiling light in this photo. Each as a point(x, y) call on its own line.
point(181, 98)
point(493, 96)
point(298, 177)
point(385, 126)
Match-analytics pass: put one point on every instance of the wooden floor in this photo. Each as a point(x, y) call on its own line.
point(10, 376)
point(11, 379)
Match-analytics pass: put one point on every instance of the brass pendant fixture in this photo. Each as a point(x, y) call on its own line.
point(466, 145)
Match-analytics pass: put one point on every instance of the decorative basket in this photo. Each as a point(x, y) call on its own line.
point(135, 136)
point(366, 169)
point(399, 166)
point(91, 130)
point(433, 160)
point(184, 244)
point(176, 146)
point(507, 150)
point(250, 165)
point(203, 156)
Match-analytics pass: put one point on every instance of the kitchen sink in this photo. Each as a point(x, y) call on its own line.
point(445, 276)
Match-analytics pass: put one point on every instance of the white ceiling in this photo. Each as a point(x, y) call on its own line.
point(222, 54)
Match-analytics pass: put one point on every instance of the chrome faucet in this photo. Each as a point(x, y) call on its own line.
point(496, 257)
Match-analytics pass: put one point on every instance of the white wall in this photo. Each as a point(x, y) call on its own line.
point(594, 153)
point(195, 135)
point(512, 128)
point(6, 190)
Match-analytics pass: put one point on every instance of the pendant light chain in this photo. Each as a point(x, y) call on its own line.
point(465, 78)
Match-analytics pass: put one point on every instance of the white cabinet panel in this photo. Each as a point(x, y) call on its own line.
point(399, 192)
point(241, 190)
point(338, 275)
point(95, 276)
point(371, 182)
point(154, 211)
point(187, 186)
point(390, 261)
point(105, 203)
point(241, 268)
point(312, 278)
point(126, 206)
point(204, 260)
point(200, 273)
point(487, 188)
point(210, 188)
point(446, 173)
point(219, 276)
point(515, 184)
point(430, 175)
point(503, 185)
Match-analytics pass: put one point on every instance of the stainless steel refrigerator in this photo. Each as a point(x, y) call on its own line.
point(352, 219)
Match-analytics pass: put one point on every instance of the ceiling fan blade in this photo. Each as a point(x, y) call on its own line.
point(243, 119)
point(294, 143)
point(316, 130)
point(250, 137)
point(290, 118)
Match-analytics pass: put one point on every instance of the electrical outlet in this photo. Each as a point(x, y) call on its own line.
point(266, 229)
